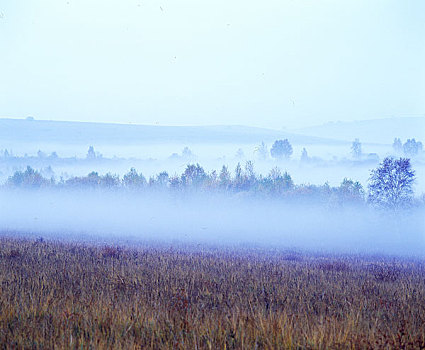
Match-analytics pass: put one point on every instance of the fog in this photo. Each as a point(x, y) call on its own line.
point(330, 163)
point(122, 217)
point(152, 149)
point(219, 78)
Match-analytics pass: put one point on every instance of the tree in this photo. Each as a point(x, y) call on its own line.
point(304, 156)
point(239, 154)
point(175, 183)
point(351, 191)
point(249, 169)
point(109, 180)
point(212, 181)
point(133, 179)
point(194, 175)
point(91, 153)
point(262, 151)
point(391, 184)
point(249, 178)
point(412, 147)
point(29, 178)
point(280, 183)
point(356, 149)
point(397, 146)
point(225, 179)
point(162, 179)
point(187, 153)
point(281, 149)
point(238, 177)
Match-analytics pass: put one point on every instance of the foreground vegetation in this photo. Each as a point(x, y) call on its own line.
point(63, 295)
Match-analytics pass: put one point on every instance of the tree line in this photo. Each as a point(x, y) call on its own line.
point(280, 150)
point(390, 184)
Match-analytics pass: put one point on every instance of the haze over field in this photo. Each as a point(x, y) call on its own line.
point(152, 149)
point(216, 220)
point(99, 88)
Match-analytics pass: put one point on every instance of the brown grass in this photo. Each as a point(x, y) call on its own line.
point(58, 295)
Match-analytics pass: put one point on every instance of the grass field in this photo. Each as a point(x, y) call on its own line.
point(67, 295)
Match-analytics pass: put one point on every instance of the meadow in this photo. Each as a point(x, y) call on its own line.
point(58, 294)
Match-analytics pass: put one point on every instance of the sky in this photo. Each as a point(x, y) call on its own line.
point(275, 64)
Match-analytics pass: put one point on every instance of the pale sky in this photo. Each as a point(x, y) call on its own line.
point(191, 62)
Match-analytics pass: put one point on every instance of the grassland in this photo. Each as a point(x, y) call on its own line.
point(64, 295)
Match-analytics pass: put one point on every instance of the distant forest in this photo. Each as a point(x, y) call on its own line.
point(390, 185)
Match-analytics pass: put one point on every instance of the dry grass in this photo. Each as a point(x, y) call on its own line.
point(57, 295)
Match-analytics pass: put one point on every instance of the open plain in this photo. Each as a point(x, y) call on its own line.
point(71, 295)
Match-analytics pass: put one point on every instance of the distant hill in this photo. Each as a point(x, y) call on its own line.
point(371, 131)
point(43, 131)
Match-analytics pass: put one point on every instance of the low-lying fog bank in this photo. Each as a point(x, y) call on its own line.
point(210, 219)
